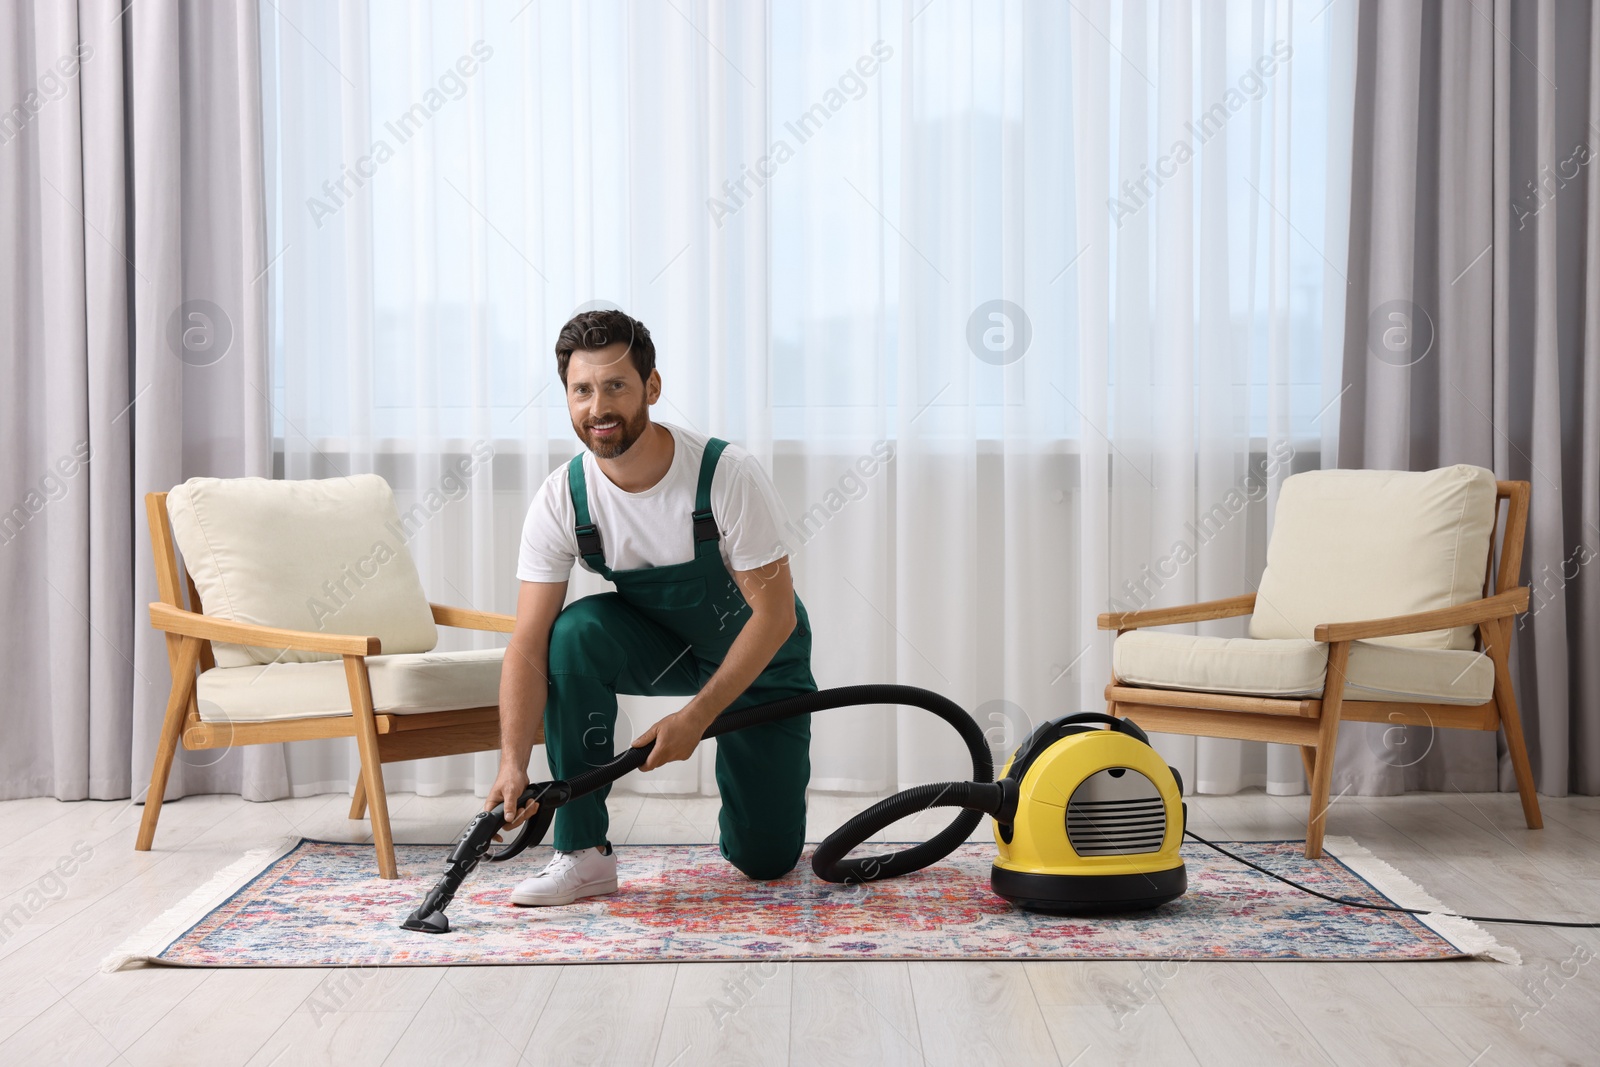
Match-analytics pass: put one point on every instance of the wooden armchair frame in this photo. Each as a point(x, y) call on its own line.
point(1313, 724)
point(380, 737)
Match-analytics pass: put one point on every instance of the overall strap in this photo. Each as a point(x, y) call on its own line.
point(706, 534)
point(590, 547)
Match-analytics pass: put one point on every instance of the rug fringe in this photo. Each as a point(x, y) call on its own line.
point(1465, 934)
point(155, 936)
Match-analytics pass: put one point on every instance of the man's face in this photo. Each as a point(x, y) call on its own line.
point(608, 401)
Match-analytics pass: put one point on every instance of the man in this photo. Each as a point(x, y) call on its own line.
point(688, 529)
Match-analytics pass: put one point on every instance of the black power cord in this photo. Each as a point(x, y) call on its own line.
point(1386, 907)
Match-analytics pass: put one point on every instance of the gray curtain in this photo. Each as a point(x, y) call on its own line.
point(64, 478)
point(1472, 335)
point(131, 306)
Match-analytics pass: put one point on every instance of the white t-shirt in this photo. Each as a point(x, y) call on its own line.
point(653, 528)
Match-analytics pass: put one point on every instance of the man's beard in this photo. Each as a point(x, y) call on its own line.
point(632, 430)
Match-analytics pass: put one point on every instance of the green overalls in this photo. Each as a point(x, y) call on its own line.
point(664, 632)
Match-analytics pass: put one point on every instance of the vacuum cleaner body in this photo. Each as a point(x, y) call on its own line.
point(1098, 822)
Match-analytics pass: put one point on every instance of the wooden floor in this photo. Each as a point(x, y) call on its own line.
point(1469, 850)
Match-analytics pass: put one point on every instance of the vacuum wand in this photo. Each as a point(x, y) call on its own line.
point(473, 845)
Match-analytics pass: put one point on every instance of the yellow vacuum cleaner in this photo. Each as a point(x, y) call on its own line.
point(1088, 818)
point(1098, 820)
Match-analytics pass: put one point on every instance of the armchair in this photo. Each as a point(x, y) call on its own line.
point(306, 619)
point(1380, 604)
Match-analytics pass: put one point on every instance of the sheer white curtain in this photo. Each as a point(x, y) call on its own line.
point(1210, 302)
point(880, 245)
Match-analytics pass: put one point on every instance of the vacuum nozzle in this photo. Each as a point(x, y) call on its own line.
point(425, 921)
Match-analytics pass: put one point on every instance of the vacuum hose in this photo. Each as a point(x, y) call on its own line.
point(980, 796)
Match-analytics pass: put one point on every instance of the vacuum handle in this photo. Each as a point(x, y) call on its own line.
point(1127, 726)
point(550, 795)
point(474, 840)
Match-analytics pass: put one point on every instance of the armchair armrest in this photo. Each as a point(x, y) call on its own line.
point(1500, 606)
point(1204, 612)
point(467, 619)
point(173, 620)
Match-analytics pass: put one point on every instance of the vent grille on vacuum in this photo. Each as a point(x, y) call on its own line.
point(1116, 814)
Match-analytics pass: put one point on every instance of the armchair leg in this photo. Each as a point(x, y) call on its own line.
point(171, 729)
point(1321, 784)
point(1327, 742)
point(1511, 721)
point(355, 672)
point(358, 802)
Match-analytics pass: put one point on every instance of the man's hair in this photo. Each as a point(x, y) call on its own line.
point(592, 330)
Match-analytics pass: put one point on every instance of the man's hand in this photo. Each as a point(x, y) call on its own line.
point(676, 737)
point(507, 790)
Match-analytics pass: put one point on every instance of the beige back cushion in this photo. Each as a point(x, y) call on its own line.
point(1349, 545)
point(323, 555)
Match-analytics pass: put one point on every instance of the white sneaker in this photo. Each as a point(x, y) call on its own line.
point(569, 876)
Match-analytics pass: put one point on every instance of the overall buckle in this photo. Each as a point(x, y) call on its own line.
point(589, 543)
point(705, 527)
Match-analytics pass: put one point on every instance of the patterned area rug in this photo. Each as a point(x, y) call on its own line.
point(317, 904)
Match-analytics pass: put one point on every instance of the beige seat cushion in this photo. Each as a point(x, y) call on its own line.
point(1351, 545)
point(324, 555)
point(1294, 668)
point(406, 684)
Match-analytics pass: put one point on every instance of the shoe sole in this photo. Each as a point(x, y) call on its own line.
point(591, 889)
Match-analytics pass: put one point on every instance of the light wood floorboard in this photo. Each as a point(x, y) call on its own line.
point(849, 1012)
point(603, 1014)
